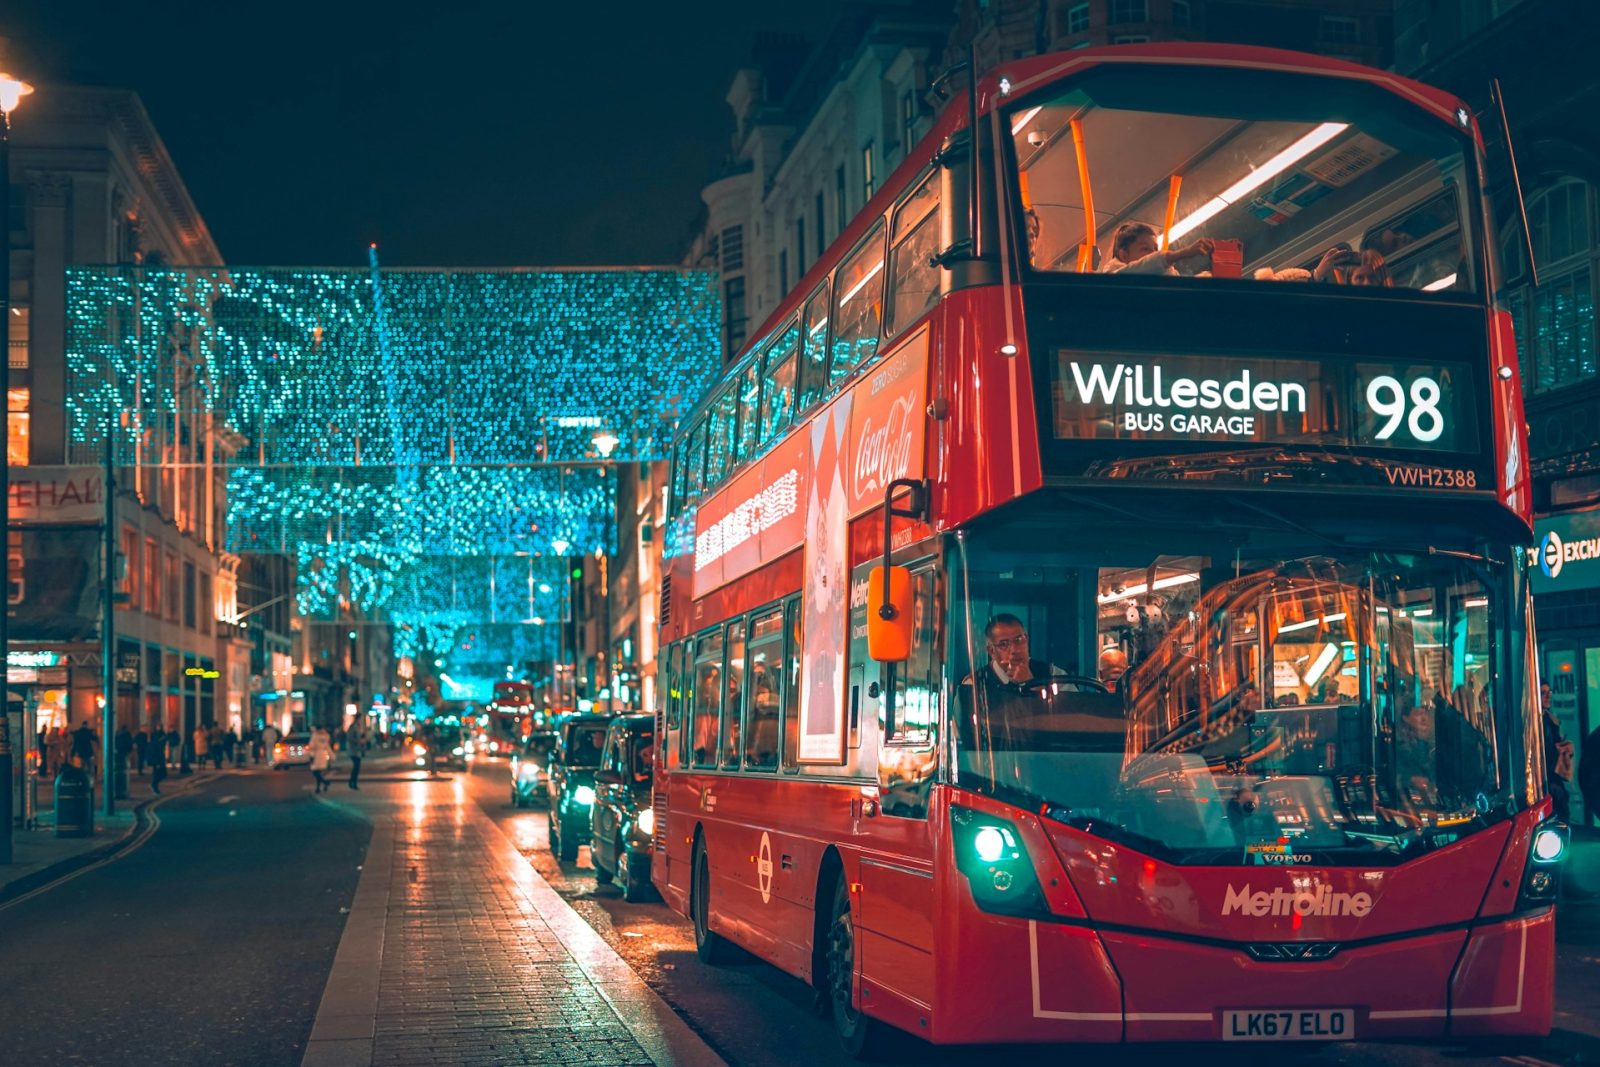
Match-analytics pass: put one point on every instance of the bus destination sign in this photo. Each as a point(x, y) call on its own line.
point(1220, 401)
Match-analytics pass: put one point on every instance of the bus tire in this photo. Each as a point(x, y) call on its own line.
point(709, 945)
point(863, 1038)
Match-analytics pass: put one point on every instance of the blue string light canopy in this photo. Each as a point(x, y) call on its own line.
point(426, 445)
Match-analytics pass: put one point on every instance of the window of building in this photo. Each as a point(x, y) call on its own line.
point(731, 709)
point(1131, 38)
point(813, 367)
point(129, 585)
point(761, 735)
point(908, 121)
point(783, 272)
point(1181, 15)
point(190, 597)
point(858, 307)
point(17, 338)
point(821, 215)
point(152, 578)
point(1078, 18)
point(841, 201)
point(733, 309)
point(915, 281)
point(777, 398)
point(707, 697)
point(1555, 323)
point(733, 248)
point(869, 172)
point(1129, 11)
point(800, 247)
point(208, 605)
point(174, 594)
point(17, 404)
point(1339, 30)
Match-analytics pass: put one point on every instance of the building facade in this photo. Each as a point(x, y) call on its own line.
point(92, 184)
point(1539, 51)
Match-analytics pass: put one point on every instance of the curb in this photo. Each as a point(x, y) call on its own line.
point(45, 875)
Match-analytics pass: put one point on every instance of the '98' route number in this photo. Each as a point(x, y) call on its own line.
point(1419, 410)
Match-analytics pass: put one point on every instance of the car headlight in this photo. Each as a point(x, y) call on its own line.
point(583, 795)
point(647, 822)
point(421, 762)
point(420, 750)
point(527, 772)
point(458, 751)
point(470, 747)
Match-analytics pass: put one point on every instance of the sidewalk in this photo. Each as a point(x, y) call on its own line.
point(39, 856)
point(457, 952)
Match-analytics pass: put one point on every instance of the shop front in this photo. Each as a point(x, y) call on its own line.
point(1566, 595)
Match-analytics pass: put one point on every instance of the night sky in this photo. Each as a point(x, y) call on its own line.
point(458, 133)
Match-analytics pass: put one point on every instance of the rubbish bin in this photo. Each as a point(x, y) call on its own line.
point(74, 803)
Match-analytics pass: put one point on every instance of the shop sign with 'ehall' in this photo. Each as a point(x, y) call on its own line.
point(56, 495)
point(1566, 551)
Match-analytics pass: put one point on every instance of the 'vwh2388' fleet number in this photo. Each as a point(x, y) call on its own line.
point(1432, 477)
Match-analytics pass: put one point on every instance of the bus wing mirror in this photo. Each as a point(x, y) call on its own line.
point(889, 614)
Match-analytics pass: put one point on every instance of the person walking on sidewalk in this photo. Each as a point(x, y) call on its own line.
point(321, 750)
point(356, 744)
point(158, 759)
point(174, 746)
point(83, 746)
point(141, 749)
point(123, 745)
point(269, 740)
point(202, 745)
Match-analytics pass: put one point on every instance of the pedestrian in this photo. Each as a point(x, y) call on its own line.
point(158, 759)
point(269, 740)
point(123, 745)
point(83, 746)
point(141, 749)
point(1589, 774)
point(321, 750)
point(202, 744)
point(1557, 759)
point(233, 746)
point(174, 746)
point(356, 743)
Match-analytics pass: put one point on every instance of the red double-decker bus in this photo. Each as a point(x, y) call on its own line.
point(1097, 603)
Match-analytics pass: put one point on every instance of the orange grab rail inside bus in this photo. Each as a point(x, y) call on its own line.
point(1172, 209)
point(1085, 250)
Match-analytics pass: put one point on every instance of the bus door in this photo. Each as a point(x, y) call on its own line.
point(900, 715)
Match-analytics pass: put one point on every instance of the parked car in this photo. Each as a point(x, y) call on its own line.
point(293, 751)
point(622, 825)
point(530, 770)
point(581, 739)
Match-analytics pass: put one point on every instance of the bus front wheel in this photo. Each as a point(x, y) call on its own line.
point(709, 945)
point(862, 1037)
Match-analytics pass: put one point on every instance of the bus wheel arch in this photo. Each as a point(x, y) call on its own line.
point(829, 871)
point(709, 945)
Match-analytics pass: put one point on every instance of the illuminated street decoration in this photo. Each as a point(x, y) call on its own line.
point(404, 436)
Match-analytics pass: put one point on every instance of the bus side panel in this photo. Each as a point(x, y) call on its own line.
point(992, 417)
point(1003, 979)
point(672, 878)
point(1506, 981)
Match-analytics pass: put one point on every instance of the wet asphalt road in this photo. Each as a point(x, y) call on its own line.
point(756, 1016)
point(209, 944)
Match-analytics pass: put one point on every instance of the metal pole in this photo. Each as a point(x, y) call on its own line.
point(6, 793)
point(108, 620)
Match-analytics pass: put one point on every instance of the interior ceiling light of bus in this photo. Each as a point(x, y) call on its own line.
point(1141, 588)
point(1259, 177)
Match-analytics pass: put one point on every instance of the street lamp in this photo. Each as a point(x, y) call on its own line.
point(12, 90)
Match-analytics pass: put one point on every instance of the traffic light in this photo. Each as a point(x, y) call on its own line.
point(577, 573)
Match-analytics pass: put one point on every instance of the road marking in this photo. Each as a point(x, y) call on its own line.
point(138, 842)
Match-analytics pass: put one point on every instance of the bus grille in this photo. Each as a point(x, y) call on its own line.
point(658, 840)
point(664, 614)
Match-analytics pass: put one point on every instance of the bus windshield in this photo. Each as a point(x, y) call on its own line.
point(1240, 704)
point(1166, 171)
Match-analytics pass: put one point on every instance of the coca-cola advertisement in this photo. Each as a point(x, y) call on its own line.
point(887, 425)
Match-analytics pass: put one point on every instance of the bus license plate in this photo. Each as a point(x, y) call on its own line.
point(1324, 1024)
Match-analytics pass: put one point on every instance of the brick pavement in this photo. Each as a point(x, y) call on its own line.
point(457, 952)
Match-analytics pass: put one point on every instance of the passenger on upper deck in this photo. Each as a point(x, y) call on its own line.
point(1135, 250)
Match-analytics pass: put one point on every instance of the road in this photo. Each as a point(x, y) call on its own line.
point(212, 942)
point(756, 1016)
point(208, 944)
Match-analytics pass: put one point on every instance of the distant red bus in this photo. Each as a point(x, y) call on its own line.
point(1211, 716)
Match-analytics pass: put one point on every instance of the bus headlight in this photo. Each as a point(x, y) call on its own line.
point(1542, 883)
point(647, 822)
point(583, 796)
point(990, 853)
